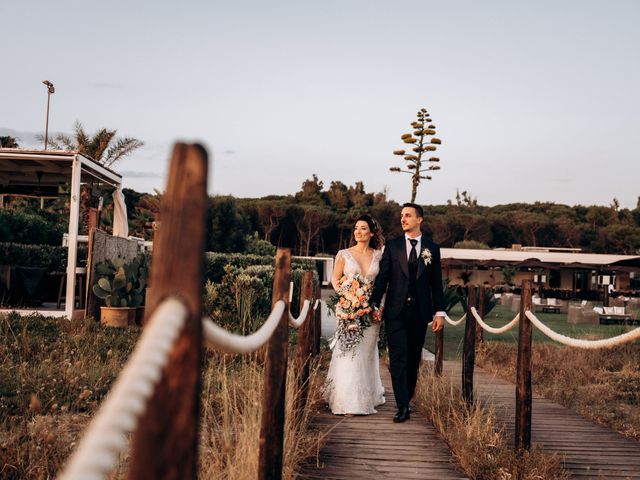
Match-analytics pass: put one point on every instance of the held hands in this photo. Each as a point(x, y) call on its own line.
point(438, 323)
point(377, 315)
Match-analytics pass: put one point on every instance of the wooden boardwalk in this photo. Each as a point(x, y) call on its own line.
point(366, 447)
point(588, 449)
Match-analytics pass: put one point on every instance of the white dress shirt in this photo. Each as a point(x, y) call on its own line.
point(409, 246)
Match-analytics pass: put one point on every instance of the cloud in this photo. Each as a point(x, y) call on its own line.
point(139, 174)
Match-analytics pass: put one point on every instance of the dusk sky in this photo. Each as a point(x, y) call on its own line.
point(533, 101)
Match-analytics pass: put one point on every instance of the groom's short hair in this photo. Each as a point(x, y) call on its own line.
point(416, 207)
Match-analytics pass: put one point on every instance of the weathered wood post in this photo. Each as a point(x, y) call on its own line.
point(165, 444)
point(317, 328)
point(305, 347)
point(523, 372)
point(439, 347)
point(469, 348)
point(275, 378)
point(481, 308)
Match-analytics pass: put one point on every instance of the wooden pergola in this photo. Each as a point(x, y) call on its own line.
point(36, 173)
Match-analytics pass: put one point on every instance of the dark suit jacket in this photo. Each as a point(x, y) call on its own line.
point(394, 279)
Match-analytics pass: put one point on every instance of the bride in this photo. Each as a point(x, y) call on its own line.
point(353, 385)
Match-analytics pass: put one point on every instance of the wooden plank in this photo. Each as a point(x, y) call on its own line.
point(166, 442)
point(588, 449)
point(372, 446)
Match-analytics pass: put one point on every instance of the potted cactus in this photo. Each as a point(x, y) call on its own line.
point(120, 287)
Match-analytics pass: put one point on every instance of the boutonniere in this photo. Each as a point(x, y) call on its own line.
point(425, 254)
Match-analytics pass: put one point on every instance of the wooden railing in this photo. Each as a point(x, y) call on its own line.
point(526, 319)
point(165, 422)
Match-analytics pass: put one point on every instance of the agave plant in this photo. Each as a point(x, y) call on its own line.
point(489, 300)
point(451, 295)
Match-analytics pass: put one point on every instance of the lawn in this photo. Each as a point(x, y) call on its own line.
point(502, 315)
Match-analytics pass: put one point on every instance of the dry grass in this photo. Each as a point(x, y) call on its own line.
point(477, 441)
point(603, 385)
point(231, 420)
point(54, 374)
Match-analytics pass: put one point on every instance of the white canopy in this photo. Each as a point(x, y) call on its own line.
point(39, 173)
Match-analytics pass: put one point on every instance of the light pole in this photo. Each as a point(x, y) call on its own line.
point(50, 89)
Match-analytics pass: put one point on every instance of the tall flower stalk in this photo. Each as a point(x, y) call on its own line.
point(424, 140)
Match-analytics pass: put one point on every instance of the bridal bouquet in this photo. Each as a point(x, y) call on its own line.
point(352, 309)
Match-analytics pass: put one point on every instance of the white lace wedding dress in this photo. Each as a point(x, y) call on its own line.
point(353, 384)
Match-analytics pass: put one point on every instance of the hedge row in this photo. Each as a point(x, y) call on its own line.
point(53, 258)
point(215, 263)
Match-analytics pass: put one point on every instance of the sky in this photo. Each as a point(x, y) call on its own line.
point(533, 101)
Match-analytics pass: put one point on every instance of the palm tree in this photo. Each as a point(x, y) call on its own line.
point(102, 146)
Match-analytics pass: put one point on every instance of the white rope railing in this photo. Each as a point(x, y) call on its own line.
point(455, 323)
point(297, 322)
point(220, 339)
point(316, 304)
point(106, 436)
point(589, 344)
point(496, 330)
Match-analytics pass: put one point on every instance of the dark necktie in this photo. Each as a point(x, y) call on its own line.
point(413, 258)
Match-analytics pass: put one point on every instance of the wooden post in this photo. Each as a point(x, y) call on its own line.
point(523, 372)
point(479, 329)
point(439, 347)
point(317, 328)
point(304, 349)
point(165, 444)
point(275, 381)
point(469, 348)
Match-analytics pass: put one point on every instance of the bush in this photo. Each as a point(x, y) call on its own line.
point(30, 228)
point(53, 258)
point(472, 244)
point(241, 301)
point(256, 246)
point(215, 263)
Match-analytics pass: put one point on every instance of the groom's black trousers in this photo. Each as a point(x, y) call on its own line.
point(405, 339)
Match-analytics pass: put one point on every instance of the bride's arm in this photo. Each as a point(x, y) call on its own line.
point(338, 271)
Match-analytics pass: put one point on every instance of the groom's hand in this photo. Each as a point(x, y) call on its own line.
point(377, 315)
point(438, 323)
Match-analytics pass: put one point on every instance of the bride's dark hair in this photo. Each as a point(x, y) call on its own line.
point(377, 241)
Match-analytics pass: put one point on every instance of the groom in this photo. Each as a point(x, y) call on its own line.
point(411, 276)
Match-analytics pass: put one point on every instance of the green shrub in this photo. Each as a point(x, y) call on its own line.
point(53, 258)
point(19, 226)
point(241, 301)
point(215, 263)
point(256, 246)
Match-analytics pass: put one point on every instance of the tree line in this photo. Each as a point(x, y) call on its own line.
point(318, 219)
